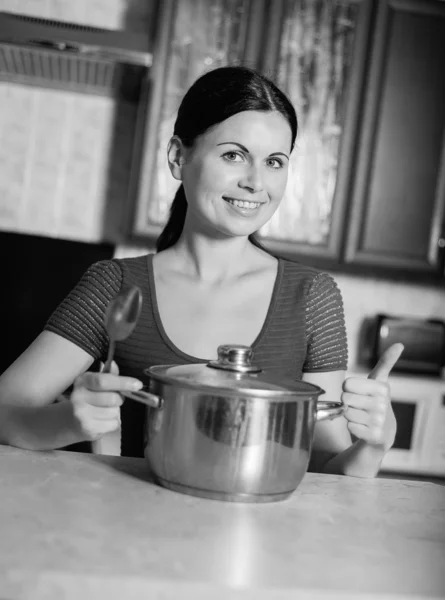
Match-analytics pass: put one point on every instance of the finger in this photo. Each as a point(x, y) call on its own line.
point(365, 387)
point(360, 417)
point(101, 428)
point(358, 401)
point(102, 382)
point(94, 421)
point(114, 369)
point(371, 434)
point(376, 406)
point(103, 400)
point(111, 425)
point(388, 359)
point(360, 431)
point(375, 419)
point(104, 413)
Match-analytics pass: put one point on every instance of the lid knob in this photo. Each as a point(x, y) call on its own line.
point(235, 357)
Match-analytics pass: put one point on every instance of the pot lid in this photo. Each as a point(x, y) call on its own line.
point(233, 374)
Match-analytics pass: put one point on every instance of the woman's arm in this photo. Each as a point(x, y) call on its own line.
point(333, 450)
point(59, 358)
point(368, 417)
point(29, 416)
point(331, 438)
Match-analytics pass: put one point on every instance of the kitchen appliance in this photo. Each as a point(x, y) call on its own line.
point(228, 431)
point(419, 407)
point(72, 57)
point(423, 340)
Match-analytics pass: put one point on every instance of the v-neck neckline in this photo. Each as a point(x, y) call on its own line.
point(195, 359)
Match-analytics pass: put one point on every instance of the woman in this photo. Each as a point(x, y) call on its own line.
point(210, 283)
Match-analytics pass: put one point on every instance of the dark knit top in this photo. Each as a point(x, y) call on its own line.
point(304, 330)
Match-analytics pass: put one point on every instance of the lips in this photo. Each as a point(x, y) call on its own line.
point(242, 204)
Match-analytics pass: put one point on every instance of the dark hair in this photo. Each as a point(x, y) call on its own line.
point(213, 98)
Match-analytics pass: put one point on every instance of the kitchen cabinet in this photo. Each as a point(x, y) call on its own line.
point(398, 200)
point(366, 190)
point(192, 36)
point(316, 52)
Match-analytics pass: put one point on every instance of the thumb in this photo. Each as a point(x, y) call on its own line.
point(388, 359)
point(113, 368)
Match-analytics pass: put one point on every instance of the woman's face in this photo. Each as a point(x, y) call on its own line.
point(235, 175)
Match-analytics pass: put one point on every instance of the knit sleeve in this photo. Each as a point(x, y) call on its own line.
point(80, 316)
point(327, 348)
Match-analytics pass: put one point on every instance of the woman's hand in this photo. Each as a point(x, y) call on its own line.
point(96, 401)
point(369, 413)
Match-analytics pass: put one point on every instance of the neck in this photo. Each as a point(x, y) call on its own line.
point(213, 260)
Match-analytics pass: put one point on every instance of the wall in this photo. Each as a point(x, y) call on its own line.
point(64, 157)
point(365, 297)
point(28, 181)
point(131, 15)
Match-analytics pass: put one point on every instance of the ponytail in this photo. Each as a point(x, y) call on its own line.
point(253, 239)
point(175, 224)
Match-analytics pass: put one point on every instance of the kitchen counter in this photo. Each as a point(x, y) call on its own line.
point(77, 526)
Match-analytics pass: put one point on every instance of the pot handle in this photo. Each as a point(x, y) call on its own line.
point(144, 397)
point(329, 410)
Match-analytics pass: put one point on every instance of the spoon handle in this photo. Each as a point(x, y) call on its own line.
point(144, 397)
point(107, 365)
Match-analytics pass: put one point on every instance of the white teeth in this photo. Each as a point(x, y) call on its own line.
point(243, 203)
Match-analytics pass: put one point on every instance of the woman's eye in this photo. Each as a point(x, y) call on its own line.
point(275, 163)
point(233, 156)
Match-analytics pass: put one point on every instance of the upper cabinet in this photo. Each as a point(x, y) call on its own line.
point(398, 200)
point(192, 37)
point(366, 187)
point(316, 52)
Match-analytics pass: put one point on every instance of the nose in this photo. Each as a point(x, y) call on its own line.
point(252, 179)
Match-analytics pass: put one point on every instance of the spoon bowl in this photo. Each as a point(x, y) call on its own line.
point(121, 317)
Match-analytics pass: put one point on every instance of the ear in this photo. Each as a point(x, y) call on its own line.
point(176, 157)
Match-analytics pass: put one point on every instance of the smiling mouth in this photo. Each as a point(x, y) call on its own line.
point(242, 203)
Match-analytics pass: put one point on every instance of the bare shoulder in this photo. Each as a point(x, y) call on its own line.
point(166, 264)
point(43, 371)
point(163, 258)
point(263, 261)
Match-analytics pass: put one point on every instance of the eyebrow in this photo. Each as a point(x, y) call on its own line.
point(245, 149)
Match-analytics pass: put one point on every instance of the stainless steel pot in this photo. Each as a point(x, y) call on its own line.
point(228, 431)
